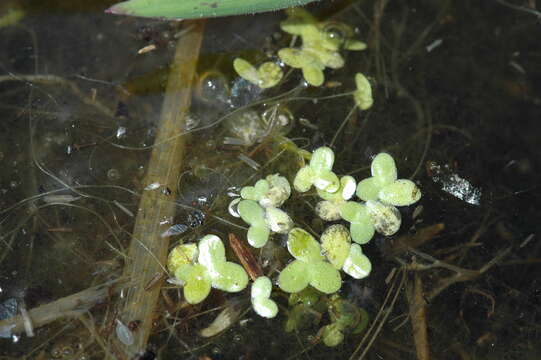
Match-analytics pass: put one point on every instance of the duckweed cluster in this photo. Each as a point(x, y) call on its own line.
point(322, 42)
point(258, 207)
point(198, 268)
point(317, 267)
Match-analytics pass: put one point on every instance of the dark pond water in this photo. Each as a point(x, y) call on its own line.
point(457, 102)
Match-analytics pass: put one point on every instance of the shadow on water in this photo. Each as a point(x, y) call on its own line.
point(456, 101)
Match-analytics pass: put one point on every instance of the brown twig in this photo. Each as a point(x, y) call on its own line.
point(460, 275)
point(417, 315)
point(148, 250)
point(246, 257)
point(69, 306)
point(422, 236)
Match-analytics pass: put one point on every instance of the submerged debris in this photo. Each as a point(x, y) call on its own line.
point(224, 320)
point(176, 229)
point(454, 184)
point(123, 333)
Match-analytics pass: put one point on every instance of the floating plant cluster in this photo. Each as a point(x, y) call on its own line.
point(199, 267)
point(322, 42)
point(316, 264)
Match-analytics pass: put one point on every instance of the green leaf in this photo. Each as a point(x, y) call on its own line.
point(357, 265)
point(251, 212)
point(383, 169)
point(402, 192)
point(368, 189)
point(324, 277)
point(322, 159)
point(231, 277)
point(261, 288)
point(258, 235)
point(265, 307)
point(294, 277)
point(303, 246)
point(195, 9)
point(197, 285)
point(335, 242)
point(304, 179)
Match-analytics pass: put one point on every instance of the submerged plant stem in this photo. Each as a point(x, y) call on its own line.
point(69, 306)
point(148, 250)
point(417, 310)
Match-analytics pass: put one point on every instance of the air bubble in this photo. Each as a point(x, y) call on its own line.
point(113, 174)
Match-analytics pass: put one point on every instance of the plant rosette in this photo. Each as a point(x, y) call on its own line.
point(321, 42)
point(367, 218)
point(258, 207)
point(318, 173)
point(363, 94)
point(309, 266)
point(262, 221)
point(202, 267)
point(262, 304)
point(272, 191)
point(329, 208)
point(384, 185)
point(345, 318)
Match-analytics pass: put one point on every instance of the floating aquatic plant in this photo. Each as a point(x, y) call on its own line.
point(265, 76)
point(337, 248)
point(316, 268)
point(329, 208)
point(260, 295)
point(198, 269)
point(260, 210)
point(321, 42)
point(272, 191)
point(309, 266)
point(345, 318)
point(383, 184)
point(318, 173)
point(363, 94)
point(361, 225)
point(262, 221)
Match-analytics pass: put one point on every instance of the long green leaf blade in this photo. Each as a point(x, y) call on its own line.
point(194, 9)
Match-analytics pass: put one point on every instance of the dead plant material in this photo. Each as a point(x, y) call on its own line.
point(148, 250)
point(422, 236)
point(70, 306)
point(460, 274)
point(154, 280)
point(246, 257)
point(417, 314)
point(486, 295)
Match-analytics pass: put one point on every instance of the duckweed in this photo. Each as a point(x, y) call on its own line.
point(363, 94)
point(260, 295)
point(266, 76)
point(211, 269)
point(329, 208)
point(321, 42)
point(318, 173)
point(309, 268)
